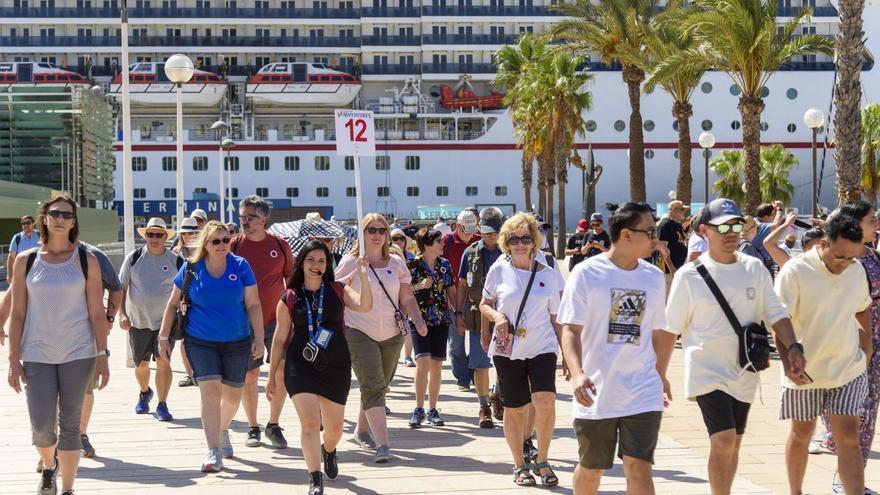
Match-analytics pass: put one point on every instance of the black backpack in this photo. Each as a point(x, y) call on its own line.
point(139, 252)
point(83, 261)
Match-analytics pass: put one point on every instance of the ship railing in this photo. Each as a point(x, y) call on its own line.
point(184, 12)
point(390, 40)
point(392, 69)
point(469, 39)
point(488, 10)
point(458, 68)
point(391, 12)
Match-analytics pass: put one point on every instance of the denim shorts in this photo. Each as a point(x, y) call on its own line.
point(224, 361)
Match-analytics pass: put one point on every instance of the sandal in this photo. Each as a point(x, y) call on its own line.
point(523, 479)
point(186, 382)
point(548, 479)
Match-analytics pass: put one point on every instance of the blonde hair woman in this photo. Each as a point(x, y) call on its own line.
point(374, 337)
point(224, 330)
point(521, 296)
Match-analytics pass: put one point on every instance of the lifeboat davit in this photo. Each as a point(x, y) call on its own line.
point(148, 85)
point(38, 74)
point(301, 83)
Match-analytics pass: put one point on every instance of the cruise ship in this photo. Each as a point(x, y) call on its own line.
point(275, 70)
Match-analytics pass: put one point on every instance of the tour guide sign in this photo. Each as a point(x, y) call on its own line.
point(356, 137)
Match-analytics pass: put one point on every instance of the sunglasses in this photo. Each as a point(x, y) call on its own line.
point(248, 218)
point(216, 242)
point(155, 235)
point(67, 215)
point(377, 230)
point(725, 228)
point(398, 238)
point(595, 225)
point(842, 260)
point(26, 224)
point(517, 240)
point(189, 233)
point(650, 232)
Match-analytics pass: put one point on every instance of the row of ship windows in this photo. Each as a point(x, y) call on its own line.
point(324, 192)
point(262, 163)
point(706, 125)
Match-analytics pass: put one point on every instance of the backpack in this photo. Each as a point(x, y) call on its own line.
point(83, 261)
point(237, 241)
point(136, 255)
point(17, 241)
point(289, 298)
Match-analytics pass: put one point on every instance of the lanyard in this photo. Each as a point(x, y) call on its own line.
point(314, 320)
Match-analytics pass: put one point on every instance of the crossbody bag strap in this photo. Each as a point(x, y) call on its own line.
point(383, 288)
point(719, 296)
point(187, 277)
point(522, 304)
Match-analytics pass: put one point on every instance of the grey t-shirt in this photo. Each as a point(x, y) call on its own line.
point(149, 284)
point(108, 271)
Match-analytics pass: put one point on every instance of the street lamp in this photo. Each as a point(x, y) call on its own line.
point(707, 141)
point(221, 126)
point(228, 144)
point(179, 70)
point(814, 118)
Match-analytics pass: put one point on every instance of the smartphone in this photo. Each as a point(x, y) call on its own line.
point(806, 375)
point(802, 224)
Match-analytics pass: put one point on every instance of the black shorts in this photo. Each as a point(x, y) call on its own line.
point(722, 412)
point(144, 344)
point(520, 378)
point(433, 344)
point(632, 436)
point(268, 335)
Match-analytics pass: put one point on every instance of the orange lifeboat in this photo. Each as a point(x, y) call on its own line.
point(466, 99)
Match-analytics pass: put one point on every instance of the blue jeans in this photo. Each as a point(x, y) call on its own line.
point(460, 370)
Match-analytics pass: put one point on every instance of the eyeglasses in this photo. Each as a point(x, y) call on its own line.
point(377, 230)
point(726, 228)
point(594, 225)
point(398, 238)
point(26, 224)
point(155, 235)
point(216, 242)
point(248, 218)
point(650, 232)
point(516, 241)
point(67, 215)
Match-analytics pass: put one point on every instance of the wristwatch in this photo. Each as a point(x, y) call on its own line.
point(105, 352)
point(111, 318)
point(798, 346)
point(458, 313)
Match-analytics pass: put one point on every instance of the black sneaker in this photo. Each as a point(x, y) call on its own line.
point(331, 463)
point(273, 433)
point(434, 418)
point(47, 484)
point(316, 483)
point(253, 437)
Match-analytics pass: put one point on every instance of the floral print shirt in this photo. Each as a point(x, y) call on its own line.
point(433, 301)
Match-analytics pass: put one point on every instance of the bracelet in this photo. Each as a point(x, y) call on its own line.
point(163, 338)
point(798, 346)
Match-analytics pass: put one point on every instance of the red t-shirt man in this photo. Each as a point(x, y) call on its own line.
point(272, 263)
point(454, 247)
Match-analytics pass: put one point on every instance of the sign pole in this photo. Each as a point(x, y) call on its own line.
point(360, 202)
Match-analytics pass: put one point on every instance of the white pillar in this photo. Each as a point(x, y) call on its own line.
point(181, 206)
point(127, 185)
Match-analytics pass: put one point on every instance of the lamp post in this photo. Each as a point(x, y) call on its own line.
point(707, 141)
point(814, 118)
point(228, 144)
point(179, 70)
point(127, 178)
point(221, 126)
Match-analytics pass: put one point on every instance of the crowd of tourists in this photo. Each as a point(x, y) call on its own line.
point(730, 289)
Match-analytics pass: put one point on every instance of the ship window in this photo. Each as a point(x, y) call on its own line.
point(322, 163)
point(412, 191)
point(591, 126)
point(291, 163)
point(140, 193)
point(619, 125)
point(325, 78)
point(292, 192)
point(706, 87)
point(280, 68)
point(791, 93)
point(765, 91)
point(383, 191)
point(471, 191)
point(233, 193)
point(200, 190)
point(649, 125)
point(735, 125)
point(675, 155)
point(413, 163)
point(139, 163)
point(350, 192)
point(337, 78)
point(500, 190)
point(442, 191)
point(170, 192)
point(169, 163)
point(261, 163)
point(734, 90)
point(200, 163)
point(764, 126)
point(275, 78)
point(706, 125)
point(792, 127)
point(263, 192)
point(349, 163)
point(383, 163)
point(322, 192)
point(231, 162)
point(50, 78)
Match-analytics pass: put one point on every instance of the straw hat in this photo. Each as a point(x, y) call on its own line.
point(155, 223)
point(189, 225)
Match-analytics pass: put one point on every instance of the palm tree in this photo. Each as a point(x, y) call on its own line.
point(776, 165)
point(664, 41)
point(870, 172)
point(615, 30)
point(847, 98)
point(740, 38)
point(728, 167)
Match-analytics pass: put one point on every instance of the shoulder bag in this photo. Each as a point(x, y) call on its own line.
point(178, 327)
point(507, 349)
point(404, 323)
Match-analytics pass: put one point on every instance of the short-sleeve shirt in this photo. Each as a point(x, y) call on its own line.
point(822, 307)
point(150, 282)
point(109, 279)
point(453, 248)
point(711, 348)
point(433, 301)
point(761, 232)
point(272, 263)
point(24, 242)
point(576, 241)
point(601, 237)
point(506, 284)
point(378, 323)
point(489, 257)
point(619, 311)
point(696, 244)
point(216, 310)
point(673, 233)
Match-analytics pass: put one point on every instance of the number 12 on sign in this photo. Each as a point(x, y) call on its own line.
point(356, 137)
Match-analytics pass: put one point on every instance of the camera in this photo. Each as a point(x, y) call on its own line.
point(310, 352)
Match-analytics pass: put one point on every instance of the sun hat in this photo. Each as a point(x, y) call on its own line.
point(155, 223)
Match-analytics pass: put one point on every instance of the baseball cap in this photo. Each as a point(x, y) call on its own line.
point(540, 219)
point(468, 221)
point(582, 224)
point(199, 213)
point(720, 211)
point(397, 232)
point(597, 217)
point(490, 220)
point(676, 204)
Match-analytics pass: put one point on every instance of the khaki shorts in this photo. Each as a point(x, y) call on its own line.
point(598, 439)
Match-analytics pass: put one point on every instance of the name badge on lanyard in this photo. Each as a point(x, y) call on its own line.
point(322, 336)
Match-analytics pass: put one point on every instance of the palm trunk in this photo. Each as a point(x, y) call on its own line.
point(633, 77)
point(527, 180)
point(750, 108)
point(542, 189)
point(847, 98)
point(682, 111)
point(549, 217)
point(561, 180)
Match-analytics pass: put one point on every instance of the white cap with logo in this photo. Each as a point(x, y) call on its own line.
point(468, 221)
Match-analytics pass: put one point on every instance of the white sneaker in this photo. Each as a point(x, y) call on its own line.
point(819, 447)
point(226, 445)
point(212, 462)
point(837, 486)
point(868, 491)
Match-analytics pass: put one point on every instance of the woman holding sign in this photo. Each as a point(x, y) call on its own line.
point(317, 363)
point(376, 336)
point(521, 296)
